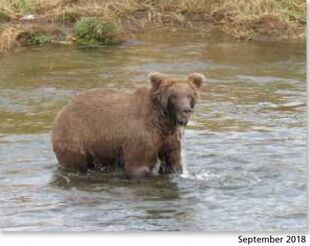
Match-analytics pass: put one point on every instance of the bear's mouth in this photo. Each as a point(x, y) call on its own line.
point(182, 122)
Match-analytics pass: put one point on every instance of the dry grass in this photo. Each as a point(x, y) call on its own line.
point(18, 34)
point(284, 19)
point(244, 19)
point(9, 38)
point(240, 9)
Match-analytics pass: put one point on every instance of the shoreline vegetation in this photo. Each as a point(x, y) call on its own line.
point(99, 22)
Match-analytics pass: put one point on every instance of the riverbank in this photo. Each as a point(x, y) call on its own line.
point(39, 22)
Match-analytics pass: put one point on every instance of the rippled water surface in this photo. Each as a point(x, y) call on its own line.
point(245, 148)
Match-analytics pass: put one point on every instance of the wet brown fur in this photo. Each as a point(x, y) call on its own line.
point(103, 128)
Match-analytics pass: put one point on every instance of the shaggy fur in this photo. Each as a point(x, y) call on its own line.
point(103, 128)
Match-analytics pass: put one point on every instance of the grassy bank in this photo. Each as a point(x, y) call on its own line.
point(57, 20)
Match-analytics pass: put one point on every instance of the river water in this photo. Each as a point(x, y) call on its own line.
point(245, 148)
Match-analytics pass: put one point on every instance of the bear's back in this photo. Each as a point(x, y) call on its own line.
point(109, 103)
point(101, 116)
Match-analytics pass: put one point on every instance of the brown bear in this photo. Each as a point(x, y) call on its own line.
point(101, 129)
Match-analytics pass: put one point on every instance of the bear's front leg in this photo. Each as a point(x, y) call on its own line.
point(136, 162)
point(170, 155)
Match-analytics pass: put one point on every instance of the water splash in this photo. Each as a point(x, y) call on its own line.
point(185, 173)
point(206, 176)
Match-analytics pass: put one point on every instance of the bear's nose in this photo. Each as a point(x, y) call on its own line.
point(187, 111)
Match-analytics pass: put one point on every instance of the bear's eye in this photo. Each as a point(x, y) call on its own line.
point(173, 98)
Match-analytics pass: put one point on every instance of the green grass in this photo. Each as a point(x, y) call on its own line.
point(294, 9)
point(21, 6)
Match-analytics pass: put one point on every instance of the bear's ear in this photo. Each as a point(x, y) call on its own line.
point(156, 79)
point(197, 79)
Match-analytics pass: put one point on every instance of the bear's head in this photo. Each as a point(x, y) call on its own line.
point(176, 98)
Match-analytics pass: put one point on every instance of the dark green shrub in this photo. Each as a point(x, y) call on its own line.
point(39, 39)
point(93, 31)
